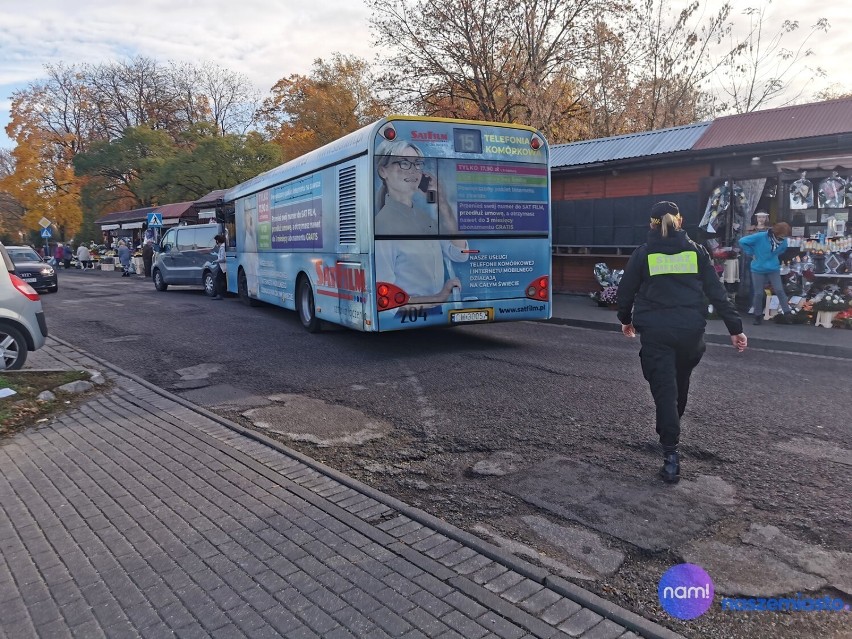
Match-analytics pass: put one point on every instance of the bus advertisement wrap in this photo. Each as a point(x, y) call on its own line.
point(456, 232)
point(408, 222)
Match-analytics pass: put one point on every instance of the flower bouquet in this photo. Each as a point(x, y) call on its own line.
point(843, 319)
point(609, 295)
point(796, 316)
point(831, 302)
point(608, 279)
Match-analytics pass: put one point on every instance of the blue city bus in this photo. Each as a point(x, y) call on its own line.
point(406, 223)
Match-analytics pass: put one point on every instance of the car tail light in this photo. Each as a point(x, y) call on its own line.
point(23, 287)
point(538, 289)
point(389, 296)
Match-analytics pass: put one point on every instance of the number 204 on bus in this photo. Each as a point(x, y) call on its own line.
point(406, 223)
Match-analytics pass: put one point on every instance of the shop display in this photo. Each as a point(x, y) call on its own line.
point(832, 192)
point(723, 211)
point(802, 193)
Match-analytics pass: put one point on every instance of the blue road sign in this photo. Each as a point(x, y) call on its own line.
point(155, 220)
point(46, 232)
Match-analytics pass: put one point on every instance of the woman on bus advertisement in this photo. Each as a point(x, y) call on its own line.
point(416, 266)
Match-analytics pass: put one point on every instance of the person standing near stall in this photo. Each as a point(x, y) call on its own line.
point(148, 255)
point(765, 249)
point(661, 298)
point(222, 268)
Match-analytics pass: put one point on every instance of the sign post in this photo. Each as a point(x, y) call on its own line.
point(154, 223)
point(45, 225)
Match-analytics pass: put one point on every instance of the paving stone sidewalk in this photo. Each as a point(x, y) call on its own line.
point(138, 514)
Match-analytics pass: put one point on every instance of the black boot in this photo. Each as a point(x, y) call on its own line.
point(670, 471)
point(758, 320)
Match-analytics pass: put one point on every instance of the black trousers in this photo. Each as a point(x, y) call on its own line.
point(221, 283)
point(668, 357)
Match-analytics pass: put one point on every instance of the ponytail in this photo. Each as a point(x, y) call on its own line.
point(670, 221)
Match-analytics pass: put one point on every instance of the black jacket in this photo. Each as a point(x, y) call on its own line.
point(665, 284)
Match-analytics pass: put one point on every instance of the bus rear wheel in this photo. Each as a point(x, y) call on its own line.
point(242, 287)
point(306, 308)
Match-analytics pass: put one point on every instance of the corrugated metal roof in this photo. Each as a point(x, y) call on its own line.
point(210, 199)
point(173, 211)
point(622, 147)
point(168, 211)
point(773, 125)
point(125, 216)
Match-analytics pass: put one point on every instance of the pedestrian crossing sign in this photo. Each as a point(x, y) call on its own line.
point(46, 232)
point(155, 220)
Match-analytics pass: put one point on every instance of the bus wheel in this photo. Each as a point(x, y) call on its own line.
point(242, 286)
point(306, 306)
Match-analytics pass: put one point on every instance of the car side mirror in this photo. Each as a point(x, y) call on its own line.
point(166, 248)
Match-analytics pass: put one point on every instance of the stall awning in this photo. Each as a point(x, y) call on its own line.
point(805, 164)
point(132, 225)
point(110, 227)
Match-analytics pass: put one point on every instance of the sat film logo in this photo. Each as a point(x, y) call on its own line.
point(685, 591)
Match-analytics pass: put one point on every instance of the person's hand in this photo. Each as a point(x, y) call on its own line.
point(740, 342)
point(449, 285)
point(628, 330)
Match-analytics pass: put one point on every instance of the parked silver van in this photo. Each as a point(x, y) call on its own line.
point(183, 250)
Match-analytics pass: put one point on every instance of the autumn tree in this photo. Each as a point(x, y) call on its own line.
point(43, 181)
point(504, 61)
point(80, 107)
point(305, 112)
point(11, 211)
point(214, 162)
point(763, 68)
point(172, 97)
point(119, 168)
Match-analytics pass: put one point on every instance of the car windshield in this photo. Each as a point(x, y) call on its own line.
point(19, 256)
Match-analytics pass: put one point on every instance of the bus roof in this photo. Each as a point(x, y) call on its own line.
point(350, 145)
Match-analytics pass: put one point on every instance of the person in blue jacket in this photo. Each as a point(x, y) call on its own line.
point(661, 297)
point(765, 248)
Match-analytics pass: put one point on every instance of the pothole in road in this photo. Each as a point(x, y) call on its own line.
point(643, 512)
point(314, 421)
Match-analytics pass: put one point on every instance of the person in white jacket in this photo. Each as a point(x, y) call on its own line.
point(84, 258)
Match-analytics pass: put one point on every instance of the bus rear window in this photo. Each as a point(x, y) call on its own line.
point(467, 140)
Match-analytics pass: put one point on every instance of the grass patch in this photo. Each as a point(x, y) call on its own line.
point(23, 410)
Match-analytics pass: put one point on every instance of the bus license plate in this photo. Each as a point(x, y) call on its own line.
point(465, 317)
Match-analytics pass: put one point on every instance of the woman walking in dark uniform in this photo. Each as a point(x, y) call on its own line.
point(661, 297)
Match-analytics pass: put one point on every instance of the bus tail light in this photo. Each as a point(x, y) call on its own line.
point(388, 132)
point(538, 289)
point(389, 296)
point(536, 141)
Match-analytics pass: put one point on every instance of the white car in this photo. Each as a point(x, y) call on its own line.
point(23, 327)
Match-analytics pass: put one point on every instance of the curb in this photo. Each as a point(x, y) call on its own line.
point(631, 621)
point(824, 350)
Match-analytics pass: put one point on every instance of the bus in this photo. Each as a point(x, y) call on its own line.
point(408, 222)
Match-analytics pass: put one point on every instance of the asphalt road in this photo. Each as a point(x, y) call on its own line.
point(534, 435)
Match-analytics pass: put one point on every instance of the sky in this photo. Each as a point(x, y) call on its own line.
point(264, 39)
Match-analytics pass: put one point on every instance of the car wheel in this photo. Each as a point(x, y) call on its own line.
point(13, 347)
point(159, 284)
point(209, 281)
point(242, 286)
point(307, 312)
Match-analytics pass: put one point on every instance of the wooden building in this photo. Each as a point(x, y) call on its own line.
point(603, 189)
